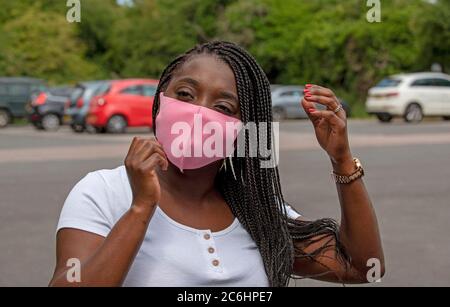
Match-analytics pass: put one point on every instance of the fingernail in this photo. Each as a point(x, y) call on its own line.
point(311, 110)
point(308, 86)
point(308, 95)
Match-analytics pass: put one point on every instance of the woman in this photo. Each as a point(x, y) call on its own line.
point(166, 220)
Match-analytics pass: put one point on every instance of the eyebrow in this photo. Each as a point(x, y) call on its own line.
point(229, 96)
point(190, 80)
point(223, 94)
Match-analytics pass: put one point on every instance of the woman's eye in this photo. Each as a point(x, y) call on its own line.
point(184, 94)
point(224, 109)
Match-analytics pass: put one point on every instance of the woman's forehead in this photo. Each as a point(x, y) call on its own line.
point(209, 71)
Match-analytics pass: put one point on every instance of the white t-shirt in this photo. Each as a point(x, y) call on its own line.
point(171, 254)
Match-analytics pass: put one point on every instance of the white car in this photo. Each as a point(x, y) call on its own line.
point(411, 96)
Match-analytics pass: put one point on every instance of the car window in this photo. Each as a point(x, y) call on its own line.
point(149, 90)
point(290, 94)
point(442, 82)
point(423, 82)
point(76, 94)
point(3, 89)
point(37, 88)
point(88, 93)
point(102, 89)
point(19, 89)
point(61, 91)
point(389, 82)
point(286, 94)
point(132, 90)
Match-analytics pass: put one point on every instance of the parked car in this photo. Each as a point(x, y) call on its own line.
point(46, 110)
point(286, 101)
point(412, 96)
point(123, 103)
point(78, 106)
point(15, 93)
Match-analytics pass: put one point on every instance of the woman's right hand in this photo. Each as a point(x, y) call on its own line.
point(143, 157)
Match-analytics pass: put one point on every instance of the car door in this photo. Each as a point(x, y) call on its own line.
point(137, 104)
point(443, 88)
point(19, 96)
point(4, 96)
point(129, 97)
point(425, 92)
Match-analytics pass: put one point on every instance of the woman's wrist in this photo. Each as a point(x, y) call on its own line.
point(142, 209)
point(344, 165)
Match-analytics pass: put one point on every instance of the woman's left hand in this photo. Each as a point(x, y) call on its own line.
point(330, 127)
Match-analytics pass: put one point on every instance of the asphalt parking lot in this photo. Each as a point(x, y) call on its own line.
point(407, 175)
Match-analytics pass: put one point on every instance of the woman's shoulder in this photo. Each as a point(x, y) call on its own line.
point(107, 176)
point(110, 184)
point(97, 201)
point(104, 179)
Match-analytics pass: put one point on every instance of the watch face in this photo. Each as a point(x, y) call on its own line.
point(357, 162)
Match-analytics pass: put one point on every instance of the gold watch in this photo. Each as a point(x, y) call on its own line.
point(341, 179)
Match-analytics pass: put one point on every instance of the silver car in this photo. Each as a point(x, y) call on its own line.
point(286, 102)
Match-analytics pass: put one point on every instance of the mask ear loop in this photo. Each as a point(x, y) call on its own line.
point(232, 167)
point(224, 166)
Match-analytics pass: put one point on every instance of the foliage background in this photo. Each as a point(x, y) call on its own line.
point(327, 42)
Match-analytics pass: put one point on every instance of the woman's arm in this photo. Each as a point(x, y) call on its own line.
point(106, 261)
point(358, 231)
point(358, 234)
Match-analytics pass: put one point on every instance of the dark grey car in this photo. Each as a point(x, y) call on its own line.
point(47, 110)
point(286, 102)
point(15, 94)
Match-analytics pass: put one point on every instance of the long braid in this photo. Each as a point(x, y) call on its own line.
point(255, 195)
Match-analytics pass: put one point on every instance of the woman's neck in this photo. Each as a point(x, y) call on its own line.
point(190, 186)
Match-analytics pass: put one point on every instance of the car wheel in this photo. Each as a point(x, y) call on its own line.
point(91, 129)
point(413, 113)
point(446, 117)
point(77, 128)
point(50, 122)
point(116, 124)
point(384, 118)
point(278, 114)
point(5, 118)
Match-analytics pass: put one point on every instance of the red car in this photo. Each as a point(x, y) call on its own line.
point(124, 103)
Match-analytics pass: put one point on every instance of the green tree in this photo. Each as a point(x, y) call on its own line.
point(328, 42)
point(43, 44)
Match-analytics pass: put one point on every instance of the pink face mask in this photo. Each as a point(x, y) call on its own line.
point(193, 136)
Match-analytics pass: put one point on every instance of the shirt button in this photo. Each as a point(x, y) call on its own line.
point(207, 236)
point(211, 250)
point(215, 262)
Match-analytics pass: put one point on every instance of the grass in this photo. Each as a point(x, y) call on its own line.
point(357, 104)
point(359, 111)
point(20, 122)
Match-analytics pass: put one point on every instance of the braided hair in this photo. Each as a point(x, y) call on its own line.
point(255, 196)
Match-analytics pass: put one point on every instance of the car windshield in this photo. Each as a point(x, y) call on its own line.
point(90, 92)
point(38, 88)
point(61, 91)
point(102, 89)
point(389, 82)
point(76, 94)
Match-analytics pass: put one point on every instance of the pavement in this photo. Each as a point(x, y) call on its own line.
point(407, 176)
